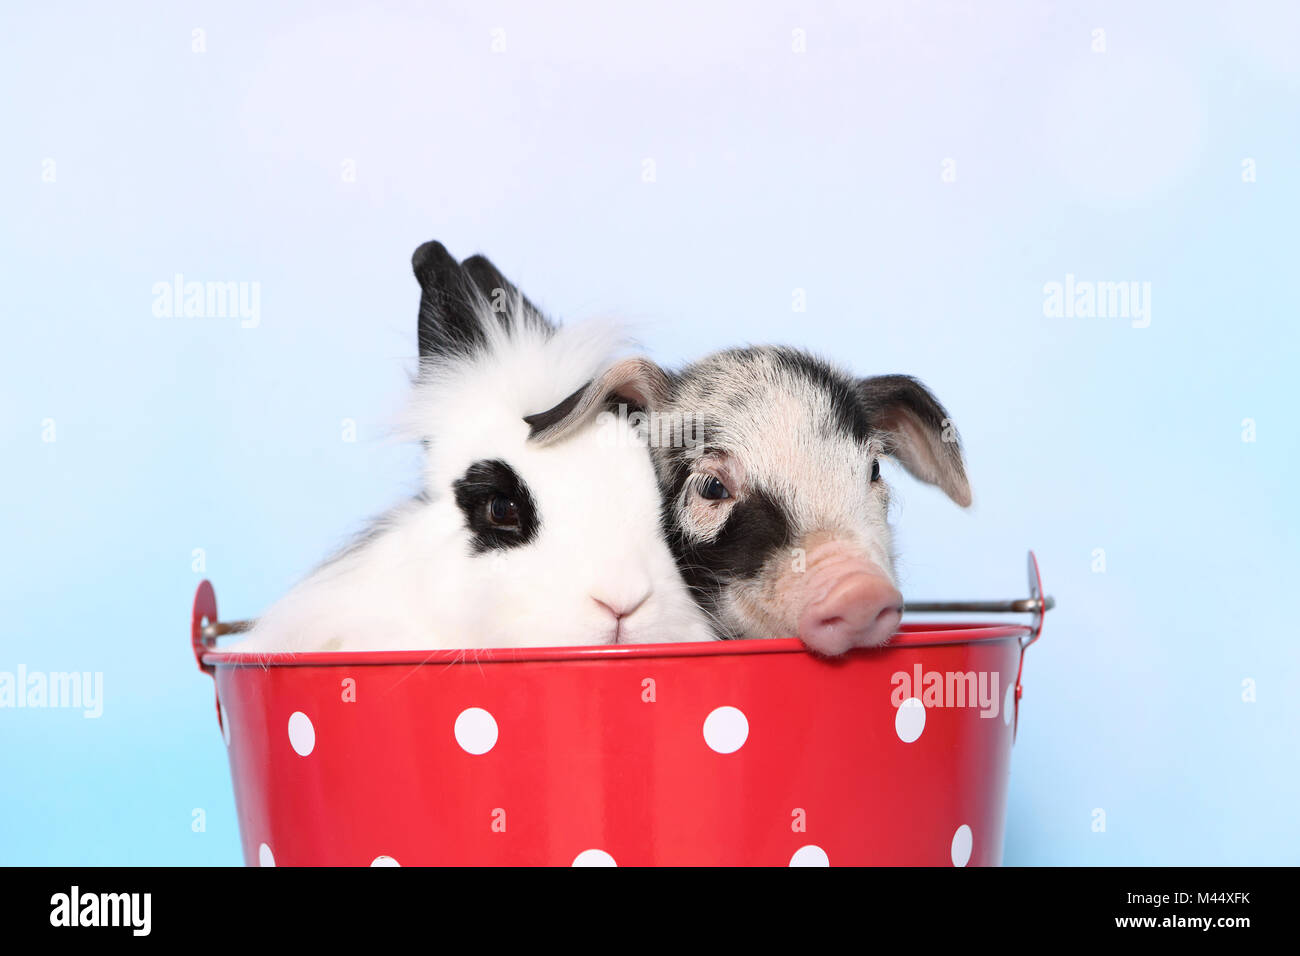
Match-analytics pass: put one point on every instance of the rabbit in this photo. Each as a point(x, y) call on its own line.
point(769, 465)
point(511, 542)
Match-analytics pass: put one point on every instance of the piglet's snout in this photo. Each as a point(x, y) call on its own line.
point(850, 604)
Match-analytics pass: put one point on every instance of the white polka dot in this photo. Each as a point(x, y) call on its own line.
point(593, 858)
point(264, 856)
point(909, 721)
point(1009, 705)
point(810, 855)
point(302, 735)
point(382, 860)
point(225, 724)
point(962, 841)
point(476, 730)
point(726, 729)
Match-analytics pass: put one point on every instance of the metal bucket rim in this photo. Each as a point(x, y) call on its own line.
point(911, 635)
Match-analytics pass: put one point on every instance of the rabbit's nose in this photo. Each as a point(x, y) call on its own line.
point(622, 607)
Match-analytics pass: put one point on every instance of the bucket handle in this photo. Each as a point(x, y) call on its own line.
point(1044, 605)
point(202, 619)
point(1037, 605)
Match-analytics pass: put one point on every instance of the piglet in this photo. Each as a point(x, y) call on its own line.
point(768, 460)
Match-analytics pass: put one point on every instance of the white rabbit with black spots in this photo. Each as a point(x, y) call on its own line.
point(513, 541)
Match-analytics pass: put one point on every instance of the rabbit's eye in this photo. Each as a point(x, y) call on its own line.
point(499, 509)
point(875, 469)
point(503, 512)
point(714, 490)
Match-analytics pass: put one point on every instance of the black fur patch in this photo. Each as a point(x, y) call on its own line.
point(448, 322)
point(756, 529)
point(541, 421)
point(483, 481)
point(492, 285)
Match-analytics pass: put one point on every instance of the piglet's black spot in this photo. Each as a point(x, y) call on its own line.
point(757, 529)
point(474, 491)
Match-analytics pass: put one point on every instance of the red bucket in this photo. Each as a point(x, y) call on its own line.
point(726, 753)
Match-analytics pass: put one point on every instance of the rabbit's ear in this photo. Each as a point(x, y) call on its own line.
point(503, 298)
point(449, 322)
point(634, 381)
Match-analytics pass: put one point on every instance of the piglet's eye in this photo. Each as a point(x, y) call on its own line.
point(875, 469)
point(714, 490)
point(503, 512)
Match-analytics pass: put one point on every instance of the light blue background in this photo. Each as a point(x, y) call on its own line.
point(775, 171)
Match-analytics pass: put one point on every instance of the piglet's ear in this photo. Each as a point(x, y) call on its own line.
point(921, 435)
point(637, 382)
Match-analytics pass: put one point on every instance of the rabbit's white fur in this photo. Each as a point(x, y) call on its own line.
point(414, 580)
